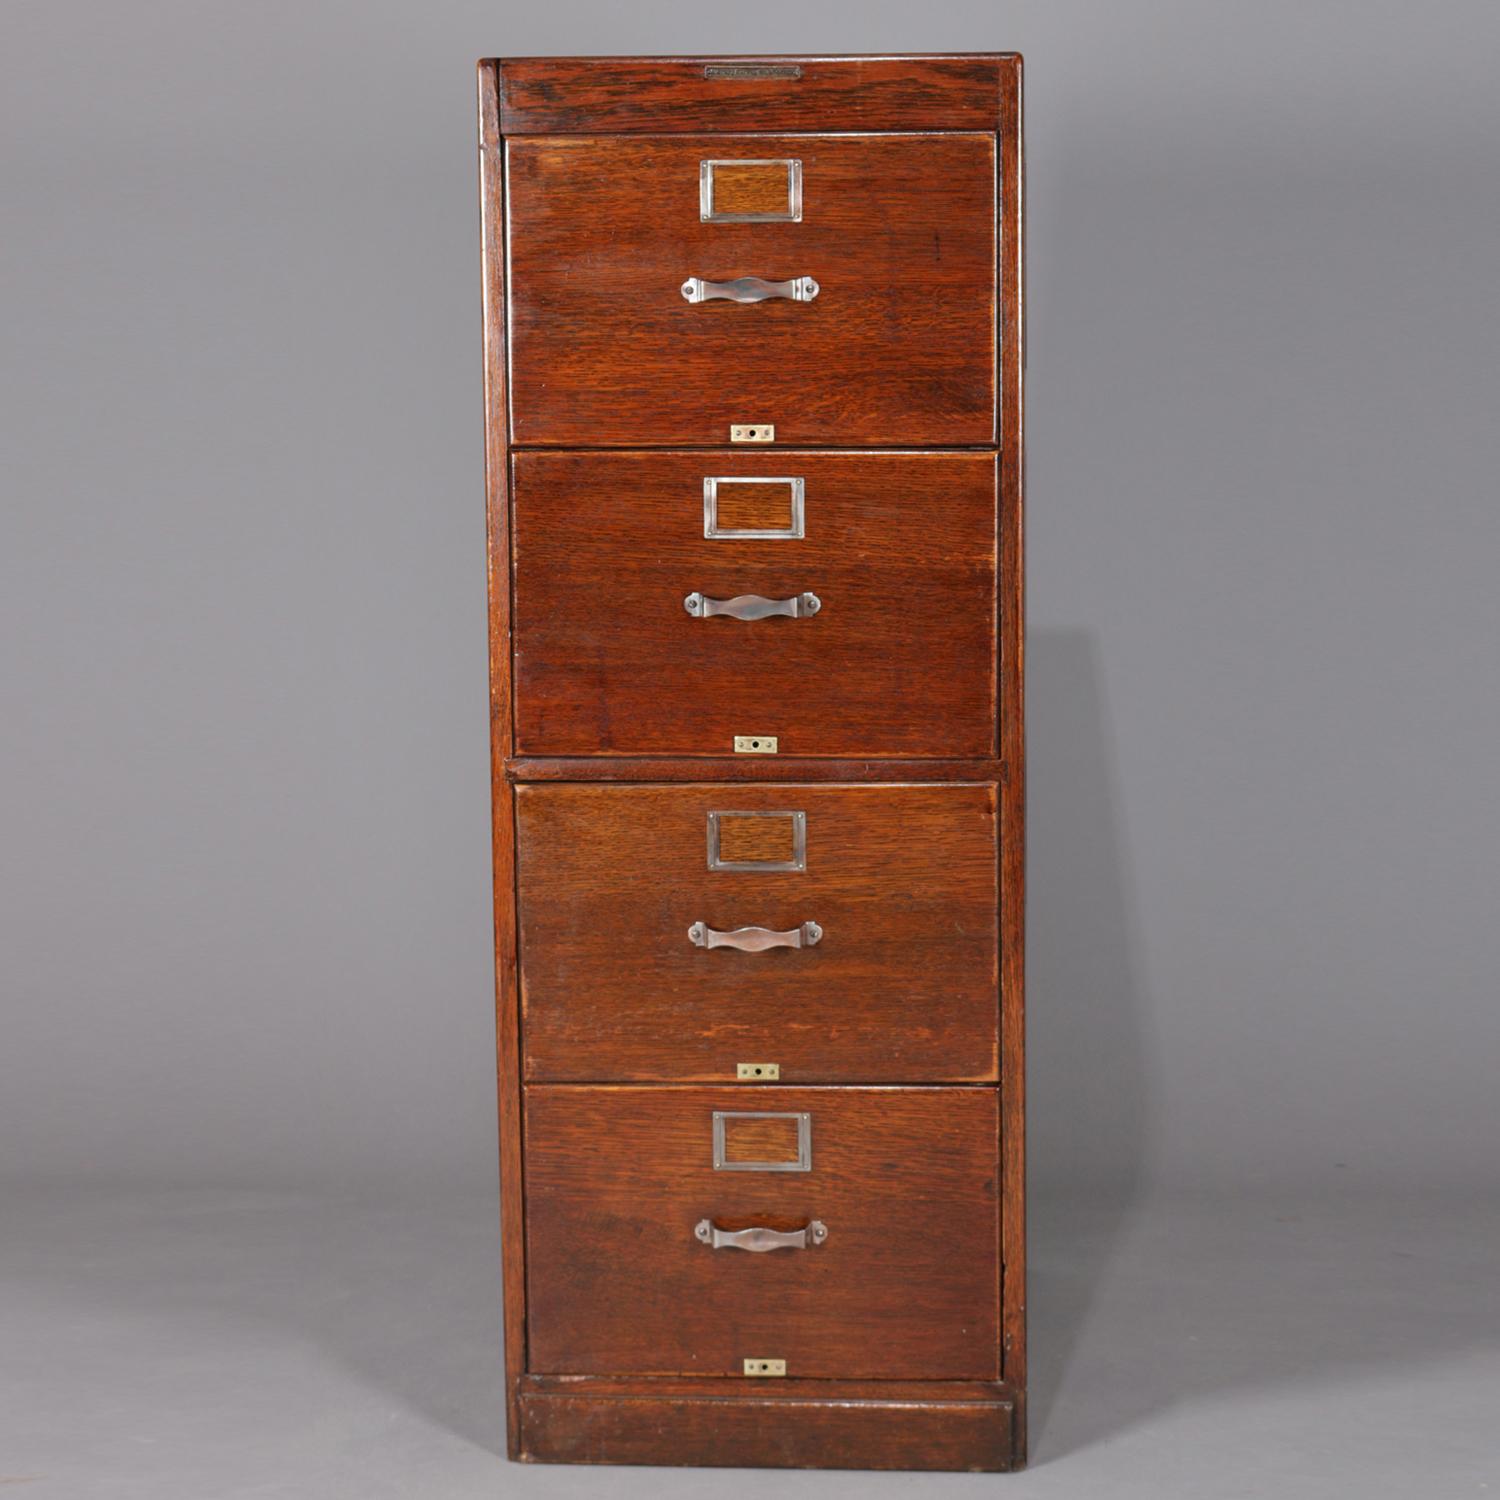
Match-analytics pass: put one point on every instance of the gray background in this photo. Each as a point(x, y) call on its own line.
point(244, 878)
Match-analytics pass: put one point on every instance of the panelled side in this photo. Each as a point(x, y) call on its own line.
point(497, 500)
point(1012, 637)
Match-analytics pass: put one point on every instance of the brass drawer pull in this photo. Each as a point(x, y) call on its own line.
point(761, 1240)
point(755, 939)
point(752, 607)
point(749, 289)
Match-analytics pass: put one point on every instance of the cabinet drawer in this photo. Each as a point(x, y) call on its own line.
point(898, 550)
point(626, 974)
point(902, 1283)
point(897, 346)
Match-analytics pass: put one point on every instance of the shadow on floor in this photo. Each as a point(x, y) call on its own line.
point(1088, 1090)
point(1139, 1301)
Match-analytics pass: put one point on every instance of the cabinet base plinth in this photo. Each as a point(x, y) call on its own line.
point(803, 1424)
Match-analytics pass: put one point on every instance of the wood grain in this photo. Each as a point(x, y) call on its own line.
point(1012, 597)
point(905, 1287)
point(507, 996)
point(753, 768)
point(582, 95)
point(900, 659)
point(873, 368)
point(956, 1425)
point(901, 988)
point(754, 507)
point(898, 349)
point(759, 1139)
point(769, 839)
point(751, 188)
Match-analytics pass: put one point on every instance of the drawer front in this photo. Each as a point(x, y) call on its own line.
point(625, 1205)
point(872, 948)
point(617, 650)
point(896, 347)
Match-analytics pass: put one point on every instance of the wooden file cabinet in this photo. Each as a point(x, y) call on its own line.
point(753, 391)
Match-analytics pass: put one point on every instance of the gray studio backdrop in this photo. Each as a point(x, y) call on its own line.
point(244, 879)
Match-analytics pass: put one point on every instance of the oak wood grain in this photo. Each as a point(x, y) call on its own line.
point(754, 507)
point(898, 348)
point(766, 839)
point(905, 1287)
point(759, 1137)
point(902, 986)
point(899, 660)
point(1012, 601)
point(755, 768)
point(649, 107)
point(751, 188)
point(507, 996)
point(955, 1425)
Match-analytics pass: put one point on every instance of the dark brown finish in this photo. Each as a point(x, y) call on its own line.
point(769, 839)
point(507, 999)
point(905, 1287)
point(926, 155)
point(760, 1137)
point(780, 1424)
point(784, 768)
point(754, 507)
point(901, 988)
point(898, 349)
point(585, 95)
point(900, 659)
point(751, 188)
point(1013, 749)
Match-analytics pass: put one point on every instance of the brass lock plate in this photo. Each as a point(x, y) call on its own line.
point(755, 744)
point(757, 1072)
point(752, 432)
point(765, 1367)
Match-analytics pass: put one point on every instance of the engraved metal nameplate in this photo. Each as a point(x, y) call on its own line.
point(752, 70)
point(755, 744)
point(752, 432)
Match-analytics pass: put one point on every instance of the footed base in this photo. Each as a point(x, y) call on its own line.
point(797, 1424)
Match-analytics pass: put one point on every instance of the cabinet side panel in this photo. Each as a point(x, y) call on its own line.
point(1013, 746)
point(497, 495)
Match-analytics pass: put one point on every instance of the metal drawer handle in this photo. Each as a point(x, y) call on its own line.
point(753, 606)
point(760, 1240)
point(749, 289)
point(755, 939)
